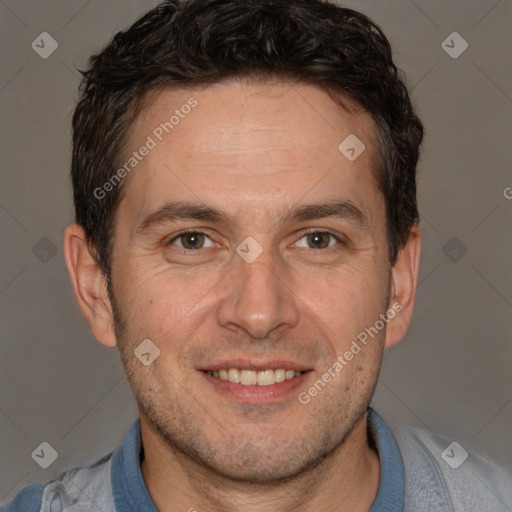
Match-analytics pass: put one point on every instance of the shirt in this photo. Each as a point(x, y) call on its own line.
point(414, 477)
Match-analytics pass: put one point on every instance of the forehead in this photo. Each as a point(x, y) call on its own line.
point(235, 144)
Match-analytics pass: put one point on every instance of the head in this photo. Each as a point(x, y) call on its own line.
point(227, 119)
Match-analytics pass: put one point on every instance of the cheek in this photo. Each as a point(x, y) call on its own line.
point(346, 301)
point(175, 305)
point(342, 309)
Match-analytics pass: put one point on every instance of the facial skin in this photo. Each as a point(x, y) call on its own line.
point(255, 152)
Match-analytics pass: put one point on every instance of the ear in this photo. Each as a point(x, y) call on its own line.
point(89, 284)
point(404, 279)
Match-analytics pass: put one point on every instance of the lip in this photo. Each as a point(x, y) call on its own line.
point(273, 393)
point(255, 365)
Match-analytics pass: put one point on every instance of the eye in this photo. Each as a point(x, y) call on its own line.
point(318, 240)
point(191, 240)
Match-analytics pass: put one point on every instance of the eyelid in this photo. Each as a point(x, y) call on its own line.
point(307, 231)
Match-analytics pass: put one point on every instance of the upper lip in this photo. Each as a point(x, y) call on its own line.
point(255, 365)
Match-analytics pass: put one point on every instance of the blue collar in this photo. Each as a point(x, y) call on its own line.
point(391, 494)
point(128, 488)
point(131, 494)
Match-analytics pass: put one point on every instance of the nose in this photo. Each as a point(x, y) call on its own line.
point(258, 298)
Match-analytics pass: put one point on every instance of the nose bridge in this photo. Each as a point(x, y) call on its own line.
point(260, 280)
point(257, 298)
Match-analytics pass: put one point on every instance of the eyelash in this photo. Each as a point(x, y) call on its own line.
point(303, 234)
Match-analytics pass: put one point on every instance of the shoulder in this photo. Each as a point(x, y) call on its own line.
point(83, 489)
point(443, 473)
point(27, 500)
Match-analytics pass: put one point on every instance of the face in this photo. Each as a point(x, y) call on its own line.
point(283, 264)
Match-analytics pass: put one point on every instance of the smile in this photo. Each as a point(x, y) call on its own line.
point(253, 377)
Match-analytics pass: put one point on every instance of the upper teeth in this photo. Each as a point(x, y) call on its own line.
point(254, 378)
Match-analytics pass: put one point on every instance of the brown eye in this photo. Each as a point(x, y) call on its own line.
point(191, 240)
point(318, 240)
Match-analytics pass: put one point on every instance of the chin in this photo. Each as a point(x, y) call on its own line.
point(263, 462)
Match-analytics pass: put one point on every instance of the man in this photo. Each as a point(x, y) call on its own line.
point(247, 236)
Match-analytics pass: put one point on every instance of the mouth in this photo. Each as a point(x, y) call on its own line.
point(257, 383)
point(266, 377)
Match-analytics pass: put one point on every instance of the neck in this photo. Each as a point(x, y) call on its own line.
point(348, 479)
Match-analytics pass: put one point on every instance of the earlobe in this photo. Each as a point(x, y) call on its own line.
point(404, 279)
point(89, 285)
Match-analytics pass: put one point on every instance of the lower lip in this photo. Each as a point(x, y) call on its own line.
point(258, 394)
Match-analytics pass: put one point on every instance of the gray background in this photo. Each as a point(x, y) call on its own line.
point(451, 374)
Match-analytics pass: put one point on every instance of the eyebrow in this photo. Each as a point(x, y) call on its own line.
point(176, 211)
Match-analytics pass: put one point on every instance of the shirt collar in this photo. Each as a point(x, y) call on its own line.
point(391, 493)
point(128, 488)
